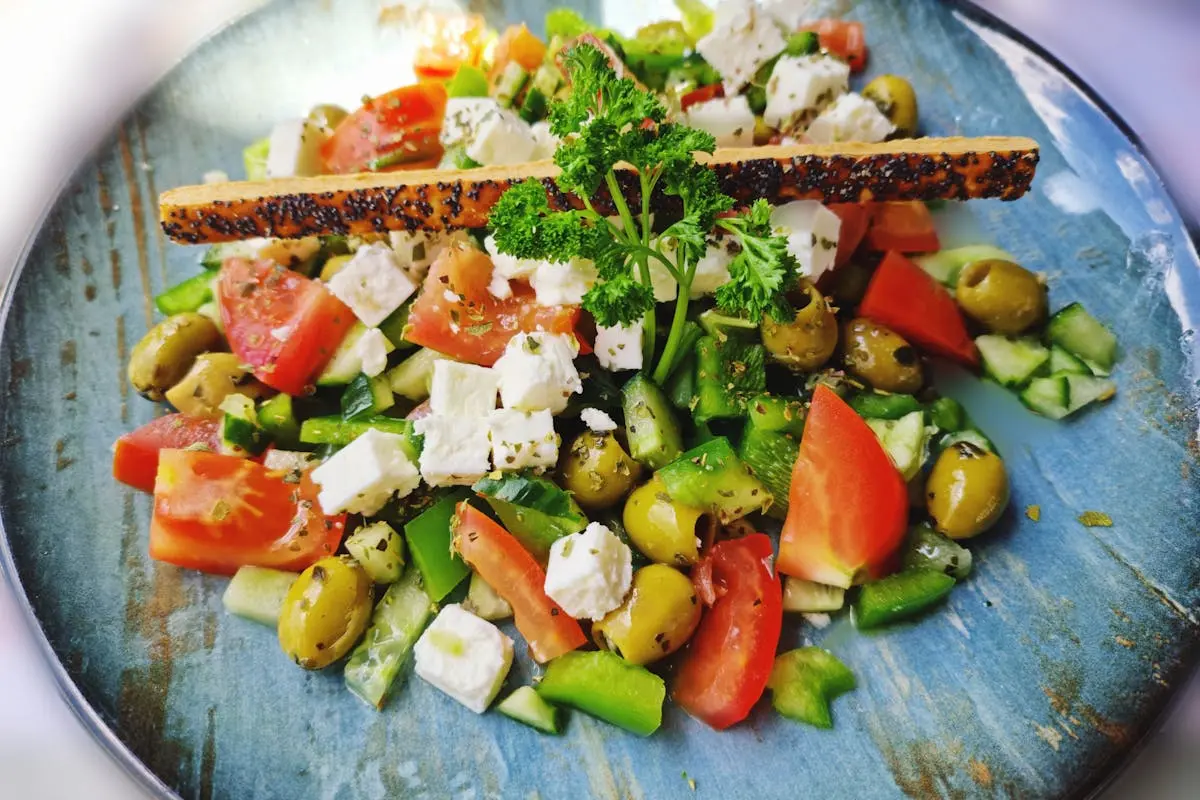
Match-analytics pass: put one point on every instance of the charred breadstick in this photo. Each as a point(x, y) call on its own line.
point(912, 169)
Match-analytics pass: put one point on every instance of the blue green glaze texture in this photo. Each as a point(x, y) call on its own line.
point(1038, 675)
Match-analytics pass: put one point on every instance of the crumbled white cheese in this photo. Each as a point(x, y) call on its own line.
point(372, 284)
point(851, 118)
point(464, 656)
point(372, 349)
point(743, 38)
point(295, 149)
point(597, 420)
point(462, 390)
point(538, 371)
point(523, 439)
point(590, 572)
point(619, 347)
point(728, 119)
point(812, 232)
point(800, 87)
point(362, 476)
point(456, 450)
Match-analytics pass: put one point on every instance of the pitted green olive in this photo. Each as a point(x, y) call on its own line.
point(166, 353)
point(967, 490)
point(598, 471)
point(327, 116)
point(662, 528)
point(325, 612)
point(881, 357)
point(657, 618)
point(897, 100)
point(1001, 296)
point(807, 341)
point(212, 378)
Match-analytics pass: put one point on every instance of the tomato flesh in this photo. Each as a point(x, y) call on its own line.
point(904, 226)
point(906, 299)
point(282, 324)
point(397, 129)
point(702, 95)
point(215, 513)
point(842, 38)
point(501, 561)
point(728, 660)
point(856, 219)
point(455, 313)
point(135, 455)
point(848, 505)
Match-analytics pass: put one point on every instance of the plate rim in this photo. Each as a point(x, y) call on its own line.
point(119, 752)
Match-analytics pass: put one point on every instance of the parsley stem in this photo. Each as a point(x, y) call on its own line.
point(665, 364)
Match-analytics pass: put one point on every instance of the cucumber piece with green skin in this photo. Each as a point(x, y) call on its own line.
point(346, 363)
point(468, 81)
point(410, 378)
point(339, 432)
point(947, 414)
point(809, 597)
point(257, 594)
point(278, 418)
point(720, 325)
point(1050, 396)
point(366, 397)
point(681, 388)
point(713, 478)
point(804, 682)
point(925, 548)
point(969, 435)
point(905, 441)
point(430, 545)
point(396, 624)
point(509, 83)
point(1011, 362)
point(1062, 361)
point(241, 433)
point(187, 295)
point(527, 706)
point(215, 255)
point(393, 327)
point(534, 106)
point(379, 550)
point(604, 685)
point(1083, 336)
point(873, 405)
point(767, 412)
point(726, 371)
point(485, 602)
point(1087, 389)
point(900, 596)
point(254, 159)
point(945, 265)
point(535, 510)
point(213, 312)
point(652, 430)
point(770, 456)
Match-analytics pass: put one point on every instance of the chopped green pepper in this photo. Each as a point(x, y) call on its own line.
point(429, 544)
point(901, 595)
point(603, 684)
point(803, 683)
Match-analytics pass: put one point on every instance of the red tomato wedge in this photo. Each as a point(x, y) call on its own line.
point(519, 579)
point(135, 455)
point(702, 95)
point(395, 130)
point(518, 44)
point(279, 322)
point(903, 226)
point(906, 299)
point(842, 38)
point(216, 513)
point(449, 40)
point(726, 665)
point(849, 505)
point(455, 313)
point(856, 219)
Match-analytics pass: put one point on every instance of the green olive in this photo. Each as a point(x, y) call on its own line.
point(333, 266)
point(1001, 296)
point(212, 378)
point(967, 490)
point(598, 471)
point(807, 341)
point(897, 100)
point(165, 354)
point(663, 529)
point(657, 618)
point(848, 283)
point(881, 357)
point(291, 253)
point(327, 116)
point(325, 612)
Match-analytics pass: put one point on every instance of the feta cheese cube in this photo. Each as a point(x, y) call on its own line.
point(597, 421)
point(288, 460)
point(743, 38)
point(215, 176)
point(456, 451)
point(812, 233)
point(538, 371)
point(590, 572)
point(712, 270)
point(502, 137)
point(372, 284)
point(558, 283)
point(851, 118)
point(523, 439)
point(295, 149)
point(362, 476)
point(546, 141)
point(416, 250)
point(464, 656)
point(801, 86)
point(619, 347)
point(462, 390)
point(372, 349)
point(463, 117)
point(729, 119)
point(507, 268)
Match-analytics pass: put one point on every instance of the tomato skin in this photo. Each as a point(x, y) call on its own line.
point(905, 226)
point(215, 513)
point(903, 297)
point(501, 561)
point(476, 326)
point(135, 455)
point(403, 125)
point(702, 94)
point(258, 299)
point(856, 220)
point(517, 44)
point(842, 38)
point(849, 505)
point(728, 660)
point(448, 41)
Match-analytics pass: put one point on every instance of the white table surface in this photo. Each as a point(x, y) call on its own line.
point(72, 66)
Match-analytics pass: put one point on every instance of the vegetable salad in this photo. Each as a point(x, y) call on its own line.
point(643, 438)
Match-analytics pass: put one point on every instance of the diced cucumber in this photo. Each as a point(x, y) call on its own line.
point(533, 509)
point(215, 255)
point(1011, 362)
point(469, 81)
point(681, 388)
point(873, 405)
point(187, 295)
point(1050, 396)
point(213, 312)
point(485, 602)
point(534, 106)
point(547, 79)
point(720, 325)
point(278, 419)
point(240, 432)
point(410, 378)
point(396, 624)
point(507, 86)
point(925, 548)
point(1062, 361)
point(366, 397)
point(810, 597)
point(767, 412)
point(430, 545)
point(1081, 335)
point(968, 435)
point(771, 456)
point(527, 706)
point(1087, 389)
point(805, 681)
point(392, 328)
point(947, 414)
point(254, 159)
point(653, 432)
point(945, 265)
point(905, 441)
point(713, 478)
point(899, 596)
point(346, 364)
point(380, 551)
point(257, 594)
point(339, 432)
point(726, 371)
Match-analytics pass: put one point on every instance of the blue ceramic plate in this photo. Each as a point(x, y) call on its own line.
point(1035, 679)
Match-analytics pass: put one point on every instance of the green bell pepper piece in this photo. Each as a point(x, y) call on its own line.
point(429, 544)
point(898, 596)
point(603, 684)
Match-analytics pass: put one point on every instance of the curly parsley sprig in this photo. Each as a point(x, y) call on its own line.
point(607, 121)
